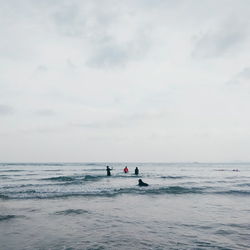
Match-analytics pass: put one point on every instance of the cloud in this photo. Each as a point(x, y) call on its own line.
point(110, 53)
point(45, 112)
point(42, 68)
point(121, 121)
point(244, 74)
point(70, 64)
point(6, 110)
point(110, 34)
point(69, 19)
point(242, 78)
point(221, 41)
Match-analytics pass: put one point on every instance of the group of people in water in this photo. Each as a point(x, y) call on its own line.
point(125, 170)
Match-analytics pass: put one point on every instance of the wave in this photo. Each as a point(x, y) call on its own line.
point(244, 185)
point(52, 170)
point(52, 164)
point(39, 191)
point(121, 175)
point(234, 192)
point(71, 212)
point(92, 177)
point(60, 178)
point(76, 178)
point(27, 185)
point(167, 190)
point(9, 217)
point(56, 181)
point(242, 225)
point(92, 164)
point(173, 177)
point(95, 169)
point(4, 177)
point(6, 217)
point(20, 192)
point(11, 170)
point(32, 164)
point(33, 194)
point(3, 197)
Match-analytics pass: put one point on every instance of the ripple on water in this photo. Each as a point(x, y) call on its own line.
point(72, 212)
point(9, 217)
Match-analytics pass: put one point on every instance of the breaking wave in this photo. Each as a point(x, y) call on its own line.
point(152, 190)
point(33, 194)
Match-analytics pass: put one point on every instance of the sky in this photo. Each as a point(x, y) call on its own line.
point(132, 80)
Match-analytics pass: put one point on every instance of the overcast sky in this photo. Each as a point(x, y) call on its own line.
point(132, 80)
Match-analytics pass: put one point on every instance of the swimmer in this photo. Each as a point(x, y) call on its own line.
point(141, 183)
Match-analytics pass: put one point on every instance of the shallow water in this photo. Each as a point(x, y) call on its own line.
point(76, 206)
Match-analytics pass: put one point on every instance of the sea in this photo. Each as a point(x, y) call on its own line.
point(77, 206)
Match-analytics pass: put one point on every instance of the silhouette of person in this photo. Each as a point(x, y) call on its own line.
point(108, 171)
point(125, 170)
point(141, 183)
point(136, 171)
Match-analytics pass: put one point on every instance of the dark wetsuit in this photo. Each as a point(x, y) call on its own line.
point(136, 171)
point(108, 171)
point(142, 184)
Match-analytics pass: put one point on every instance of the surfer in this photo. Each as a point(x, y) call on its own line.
point(141, 183)
point(125, 170)
point(108, 170)
point(136, 171)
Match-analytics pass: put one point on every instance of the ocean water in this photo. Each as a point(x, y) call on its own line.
point(76, 206)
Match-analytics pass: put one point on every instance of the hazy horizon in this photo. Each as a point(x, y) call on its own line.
point(118, 162)
point(128, 81)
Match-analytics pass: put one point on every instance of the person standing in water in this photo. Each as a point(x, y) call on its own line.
point(136, 171)
point(125, 170)
point(108, 171)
